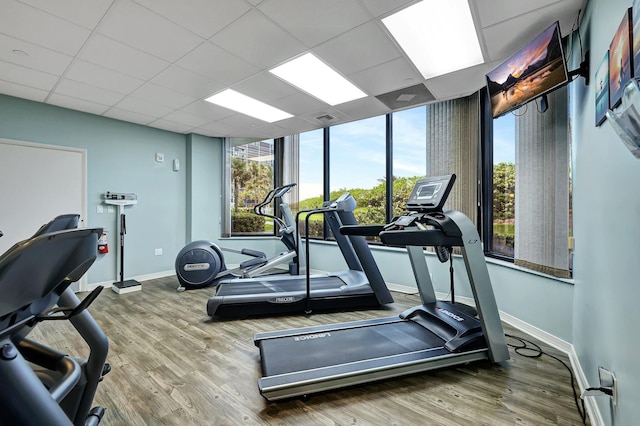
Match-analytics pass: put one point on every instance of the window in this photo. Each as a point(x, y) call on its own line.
point(504, 185)
point(311, 179)
point(528, 211)
point(409, 153)
point(361, 157)
point(251, 176)
point(357, 164)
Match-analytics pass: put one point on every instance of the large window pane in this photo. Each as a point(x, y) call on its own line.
point(311, 175)
point(409, 153)
point(357, 164)
point(504, 185)
point(252, 166)
point(531, 186)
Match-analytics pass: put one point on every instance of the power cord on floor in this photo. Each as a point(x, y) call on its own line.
point(529, 349)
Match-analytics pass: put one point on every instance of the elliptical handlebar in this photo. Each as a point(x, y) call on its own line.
point(273, 194)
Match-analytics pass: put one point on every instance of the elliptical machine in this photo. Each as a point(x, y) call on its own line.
point(39, 385)
point(201, 263)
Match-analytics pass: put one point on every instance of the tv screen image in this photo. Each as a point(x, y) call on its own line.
point(636, 37)
point(536, 69)
point(620, 63)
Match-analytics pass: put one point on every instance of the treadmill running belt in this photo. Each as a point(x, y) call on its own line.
point(316, 350)
point(257, 286)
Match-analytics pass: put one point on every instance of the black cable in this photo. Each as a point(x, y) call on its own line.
point(535, 351)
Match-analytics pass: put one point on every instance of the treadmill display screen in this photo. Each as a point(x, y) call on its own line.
point(428, 192)
point(431, 193)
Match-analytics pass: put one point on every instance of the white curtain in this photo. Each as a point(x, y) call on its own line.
point(453, 140)
point(542, 187)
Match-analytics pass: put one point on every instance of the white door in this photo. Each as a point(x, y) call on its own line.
point(37, 183)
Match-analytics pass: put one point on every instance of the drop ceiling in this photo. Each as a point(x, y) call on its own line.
point(153, 62)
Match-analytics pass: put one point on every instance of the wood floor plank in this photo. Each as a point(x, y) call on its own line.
point(173, 365)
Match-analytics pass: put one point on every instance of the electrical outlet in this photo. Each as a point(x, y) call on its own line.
point(608, 380)
point(99, 209)
point(159, 252)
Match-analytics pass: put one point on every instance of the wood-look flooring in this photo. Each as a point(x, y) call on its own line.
point(173, 365)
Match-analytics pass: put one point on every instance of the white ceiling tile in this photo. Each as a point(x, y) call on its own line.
point(265, 87)
point(124, 115)
point(383, 78)
point(24, 92)
point(212, 62)
point(216, 129)
point(385, 7)
point(104, 78)
point(242, 121)
point(143, 107)
point(314, 22)
point(26, 77)
point(36, 57)
point(299, 102)
point(295, 125)
point(362, 108)
point(170, 126)
point(84, 91)
point(492, 12)
point(203, 17)
point(266, 131)
point(187, 82)
point(35, 26)
point(186, 119)
point(207, 110)
point(76, 104)
point(82, 12)
point(114, 55)
point(361, 48)
point(459, 83)
point(258, 40)
point(138, 27)
point(162, 96)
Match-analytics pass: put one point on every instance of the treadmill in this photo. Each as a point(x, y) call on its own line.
point(361, 286)
point(432, 335)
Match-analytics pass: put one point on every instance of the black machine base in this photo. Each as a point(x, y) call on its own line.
point(127, 286)
point(298, 304)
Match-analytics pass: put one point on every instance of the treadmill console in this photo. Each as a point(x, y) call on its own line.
point(430, 194)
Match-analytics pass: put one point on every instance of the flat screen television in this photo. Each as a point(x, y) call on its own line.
point(536, 69)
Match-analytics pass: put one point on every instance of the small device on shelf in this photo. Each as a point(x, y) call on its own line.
point(122, 199)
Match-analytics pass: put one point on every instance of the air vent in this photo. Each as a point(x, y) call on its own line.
point(404, 98)
point(325, 118)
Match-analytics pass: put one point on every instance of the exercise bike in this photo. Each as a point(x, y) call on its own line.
point(201, 263)
point(38, 384)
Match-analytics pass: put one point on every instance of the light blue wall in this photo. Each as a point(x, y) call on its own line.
point(204, 180)
point(121, 158)
point(606, 213)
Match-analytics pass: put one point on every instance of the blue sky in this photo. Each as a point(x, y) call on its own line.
point(358, 151)
point(504, 135)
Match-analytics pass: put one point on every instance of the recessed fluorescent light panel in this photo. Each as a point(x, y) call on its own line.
point(310, 74)
point(245, 105)
point(439, 36)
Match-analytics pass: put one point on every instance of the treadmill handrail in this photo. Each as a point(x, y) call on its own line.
point(362, 230)
point(419, 237)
